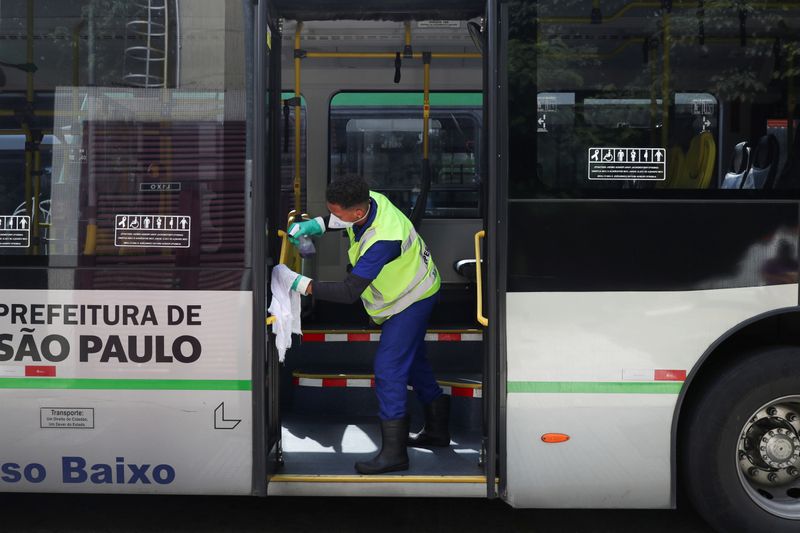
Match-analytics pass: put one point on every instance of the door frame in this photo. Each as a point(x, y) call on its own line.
point(266, 189)
point(273, 223)
point(496, 244)
point(265, 376)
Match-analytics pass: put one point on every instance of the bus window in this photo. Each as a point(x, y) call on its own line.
point(117, 158)
point(652, 111)
point(379, 136)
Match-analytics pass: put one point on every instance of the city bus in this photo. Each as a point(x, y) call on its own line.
point(610, 191)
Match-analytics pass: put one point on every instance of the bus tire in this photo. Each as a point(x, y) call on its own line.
point(723, 464)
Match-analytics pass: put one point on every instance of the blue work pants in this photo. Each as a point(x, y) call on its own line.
point(401, 361)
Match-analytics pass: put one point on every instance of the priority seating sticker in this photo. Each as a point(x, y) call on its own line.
point(152, 231)
point(628, 164)
point(15, 231)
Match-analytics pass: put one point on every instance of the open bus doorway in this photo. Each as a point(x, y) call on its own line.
point(368, 90)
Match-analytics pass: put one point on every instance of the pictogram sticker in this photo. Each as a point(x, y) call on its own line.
point(15, 231)
point(152, 231)
point(648, 164)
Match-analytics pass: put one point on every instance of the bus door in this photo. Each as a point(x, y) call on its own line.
point(378, 132)
point(268, 110)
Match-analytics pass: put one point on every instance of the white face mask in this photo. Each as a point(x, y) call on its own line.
point(337, 223)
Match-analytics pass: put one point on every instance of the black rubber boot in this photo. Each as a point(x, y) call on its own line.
point(437, 419)
point(393, 456)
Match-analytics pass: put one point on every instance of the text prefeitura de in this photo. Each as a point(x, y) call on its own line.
point(99, 314)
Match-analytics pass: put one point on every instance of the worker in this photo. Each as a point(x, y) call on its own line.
point(394, 274)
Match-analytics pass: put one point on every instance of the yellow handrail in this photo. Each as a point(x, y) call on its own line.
point(426, 108)
point(297, 178)
point(292, 262)
point(284, 249)
point(389, 55)
point(282, 258)
point(482, 320)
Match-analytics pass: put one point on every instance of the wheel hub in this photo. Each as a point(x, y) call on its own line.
point(768, 456)
point(779, 448)
point(769, 448)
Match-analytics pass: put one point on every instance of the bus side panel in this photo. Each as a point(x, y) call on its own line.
point(610, 305)
point(126, 391)
point(606, 369)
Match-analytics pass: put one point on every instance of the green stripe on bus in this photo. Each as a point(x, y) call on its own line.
point(590, 387)
point(406, 99)
point(125, 384)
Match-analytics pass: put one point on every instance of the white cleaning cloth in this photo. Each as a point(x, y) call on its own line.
point(285, 306)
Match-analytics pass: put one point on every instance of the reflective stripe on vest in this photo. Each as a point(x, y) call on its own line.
point(418, 288)
point(409, 240)
point(365, 239)
point(370, 234)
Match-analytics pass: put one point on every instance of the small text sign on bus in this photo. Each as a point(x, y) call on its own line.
point(171, 186)
point(15, 231)
point(439, 24)
point(66, 417)
point(628, 164)
point(152, 231)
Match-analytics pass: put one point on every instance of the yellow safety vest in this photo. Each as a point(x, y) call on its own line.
point(407, 279)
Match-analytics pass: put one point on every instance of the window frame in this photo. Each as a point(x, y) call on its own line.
point(475, 112)
point(725, 134)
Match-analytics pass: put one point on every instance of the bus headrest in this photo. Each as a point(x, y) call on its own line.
point(765, 164)
point(741, 157)
point(766, 152)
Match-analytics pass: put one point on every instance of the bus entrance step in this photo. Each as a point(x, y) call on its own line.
point(374, 335)
point(354, 395)
point(329, 445)
point(447, 358)
point(455, 386)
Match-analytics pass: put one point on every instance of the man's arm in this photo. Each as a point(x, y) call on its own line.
point(343, 292)
point(365, 270)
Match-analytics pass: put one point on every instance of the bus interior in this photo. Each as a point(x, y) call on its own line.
point(362, 89)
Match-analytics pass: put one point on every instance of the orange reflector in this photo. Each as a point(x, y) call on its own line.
point(554, 438)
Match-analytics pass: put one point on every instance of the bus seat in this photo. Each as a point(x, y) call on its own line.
point(708, 157)
point(740, 164)
point(698, 165)
point(765, 164)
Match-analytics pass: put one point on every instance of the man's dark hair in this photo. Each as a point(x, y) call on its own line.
point(348, 191)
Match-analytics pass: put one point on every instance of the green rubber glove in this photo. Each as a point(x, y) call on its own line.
point(311, 228)
point(301, 284)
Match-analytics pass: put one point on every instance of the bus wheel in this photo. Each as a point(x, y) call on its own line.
point(740, 449)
